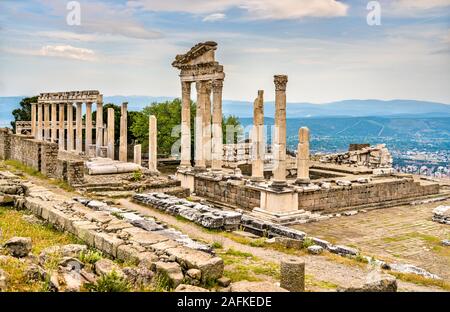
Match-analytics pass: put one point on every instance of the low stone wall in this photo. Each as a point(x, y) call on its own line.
point(26, 150)
point(42, 156)
point(227, 192)
point(333, 199)
point(377, 192)
point(5, 143)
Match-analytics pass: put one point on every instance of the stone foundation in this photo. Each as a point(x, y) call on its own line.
point(377, 193)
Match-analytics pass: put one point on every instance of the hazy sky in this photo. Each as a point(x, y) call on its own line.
point(325, 46)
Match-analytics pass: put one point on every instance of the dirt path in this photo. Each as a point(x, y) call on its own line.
point(319, 267)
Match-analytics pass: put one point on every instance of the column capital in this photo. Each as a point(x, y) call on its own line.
point(280, 82)
point(217, 85)
point(186, 87)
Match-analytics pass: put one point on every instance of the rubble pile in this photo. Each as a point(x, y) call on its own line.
point(377, 156)
point(206, 216)
point(441, 214)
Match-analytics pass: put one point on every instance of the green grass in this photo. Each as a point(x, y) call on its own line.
point(240, 266)
point(311, 282)
point(421, 280)
point(237, 253)
point(25, 169)
point(17, 165)
point(90, 256)
point(111, 282)
point(217, 245)
point(42, 236)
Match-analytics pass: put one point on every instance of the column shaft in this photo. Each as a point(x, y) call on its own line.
point(123, 149)
point(200, 163)
point(303, 156)
point(39, 122)
point(79, 130)
point(186, 125)
point(217, 140)
point(152, 144)
point(61, 132)
point(46, 122)
point(70, 138)
point(207, 144)
point(88, 127)
point(279, 146)
point(54, 123)
point(258, 146)
point(99, 127)
point(138, 154)
point(33, 119)
point(111, 133)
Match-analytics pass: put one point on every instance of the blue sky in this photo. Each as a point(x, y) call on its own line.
point(325, 46)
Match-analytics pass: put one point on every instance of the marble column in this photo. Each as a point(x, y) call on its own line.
point(79, 128)
point(303, 156)
point(138, 154)
point(207, 144)
point(62, 128)
point(70, 138)
point(258, 144)
point(152, 144)
point(46, 121)
point(111, 133)
point(88, 127)
point(123, 153)
point(39, 122)
point(99, 127)
point(279, 141)
point(54, 123)
point(200, 163)
point(217, 135)
point(186, 125)
point(33, 120)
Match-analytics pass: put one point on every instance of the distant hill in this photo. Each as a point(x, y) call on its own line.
point(348, 108)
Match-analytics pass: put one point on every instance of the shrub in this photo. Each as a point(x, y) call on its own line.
point(307, 242)
point(90, 256)
point(137, 176)
point(111, 282)
point(217, 245)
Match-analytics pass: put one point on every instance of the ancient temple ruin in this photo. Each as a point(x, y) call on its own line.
point(276, 186)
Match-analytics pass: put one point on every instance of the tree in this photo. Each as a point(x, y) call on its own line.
point(131, 116)
point(231, 126)
point(24, 112)
point(168, 115)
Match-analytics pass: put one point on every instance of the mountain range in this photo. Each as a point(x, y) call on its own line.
point(243, 109)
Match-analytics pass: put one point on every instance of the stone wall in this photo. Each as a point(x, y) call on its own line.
point(375, 193)
point(26, 150)
point(42, 156)
point(71, 171)
point(227, 192)
point(5, 143)
point(49, 159)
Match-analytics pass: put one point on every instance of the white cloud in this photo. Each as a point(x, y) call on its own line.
point(262, 50)
point(67, 51)
point(105, 18)
point(257, 9)
point(421, 4)
point(214, 17)
point(414, 8)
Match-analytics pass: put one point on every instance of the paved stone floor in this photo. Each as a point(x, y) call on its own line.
point(403, 234)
